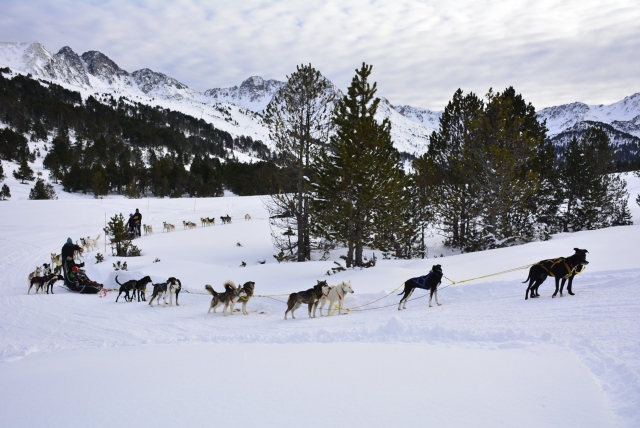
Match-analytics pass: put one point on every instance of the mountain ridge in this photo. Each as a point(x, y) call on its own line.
point(238, 109)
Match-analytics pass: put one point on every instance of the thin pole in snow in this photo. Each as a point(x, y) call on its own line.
point(194, 203)
point(105, 233)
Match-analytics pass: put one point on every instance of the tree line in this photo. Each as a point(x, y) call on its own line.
point(490, 178)
point(117, 145)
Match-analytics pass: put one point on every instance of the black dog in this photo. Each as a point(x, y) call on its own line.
point(561, 269)
point(311, 296)
point(130, 286)
point(55, 277)
point(427, 282)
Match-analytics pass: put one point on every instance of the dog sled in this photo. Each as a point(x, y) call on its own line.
point(85, 286)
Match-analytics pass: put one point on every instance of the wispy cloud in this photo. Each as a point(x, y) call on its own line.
point(552, 51)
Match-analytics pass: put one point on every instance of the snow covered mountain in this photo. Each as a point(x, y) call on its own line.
point(238, 109)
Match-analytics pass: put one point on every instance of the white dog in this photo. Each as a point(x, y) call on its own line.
point(168, 226)
point(148, 229)
point(247, 217)
point(336, 293)
point(91, 243)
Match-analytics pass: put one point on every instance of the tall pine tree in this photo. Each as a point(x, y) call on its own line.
point(299, 122)
point(593, 197)
point(361, 187)
point(24, 172)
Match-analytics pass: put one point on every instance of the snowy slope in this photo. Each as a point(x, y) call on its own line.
point(485, 357)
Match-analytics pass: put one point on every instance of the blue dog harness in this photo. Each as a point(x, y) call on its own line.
point(421, 281)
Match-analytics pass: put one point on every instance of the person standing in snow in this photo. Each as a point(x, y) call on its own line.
point(137, 217)
point(131, 224)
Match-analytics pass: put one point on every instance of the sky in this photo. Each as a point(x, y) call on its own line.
point(550, 51)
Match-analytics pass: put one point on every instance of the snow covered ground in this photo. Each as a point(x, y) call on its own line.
point(486, 357)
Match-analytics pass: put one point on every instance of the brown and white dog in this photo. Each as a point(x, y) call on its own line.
point(336, 293)
point(227, 298)
point(170, 288)
point(56, 259)
point(246, 293)
point(33, 274)
point(311, 296)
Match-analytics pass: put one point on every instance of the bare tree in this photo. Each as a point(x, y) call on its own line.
point(299, 121)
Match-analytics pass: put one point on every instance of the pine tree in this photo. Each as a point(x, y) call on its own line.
point(593, 197)
point(504, 151)
point(443, 172)
point(5, 192)
point(360, 187)
point(298, 118)
point(118, 234)
point(1, 172)
point(24, 172)
point(42, 190)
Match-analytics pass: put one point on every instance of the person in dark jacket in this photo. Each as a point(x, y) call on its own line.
point(67, 255)
point(131, 224)
point(137, 217)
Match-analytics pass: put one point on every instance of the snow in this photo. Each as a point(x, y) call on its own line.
point(485, 357)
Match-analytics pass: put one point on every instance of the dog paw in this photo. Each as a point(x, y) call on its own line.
point(439, 304)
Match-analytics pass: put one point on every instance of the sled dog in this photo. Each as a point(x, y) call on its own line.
point(428, 282)
point(246, 293)
point(311, 296)
point(336, 293)
point(170, 288)
point(132, 285)
point(560, 268)
point(36, 272)
point(229, 297)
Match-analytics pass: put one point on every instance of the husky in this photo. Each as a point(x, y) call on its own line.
point(247, 217)
point(92, 243)
point(212, 221)
point(56, 259)
point(226, 219)
point(188, 225)
point(229, 297)
point(430, 282)
point(311, 296)
point(148, 229)
point(336, 293)
point(33, 274)
point(168, 227)
point(171, 287)
point(247, 289)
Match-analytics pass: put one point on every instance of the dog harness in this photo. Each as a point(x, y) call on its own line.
point(570, 268)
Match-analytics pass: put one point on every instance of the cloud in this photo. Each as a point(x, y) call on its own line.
point(551, 51)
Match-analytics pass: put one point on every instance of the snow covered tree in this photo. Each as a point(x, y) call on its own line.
point(360, 184)
point(593, 197)
point(24, 172)
point(299, 122)
point(42, 190)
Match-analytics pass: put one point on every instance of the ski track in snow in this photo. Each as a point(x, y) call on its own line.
point(600, 324)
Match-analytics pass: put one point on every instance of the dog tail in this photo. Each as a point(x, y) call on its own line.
point(211, 290)
point(230, 284)
point(528, 277)
point(97, 237)
point(400, 294)
point(117, 280)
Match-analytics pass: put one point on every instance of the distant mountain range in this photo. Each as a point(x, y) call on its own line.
point(238, 109)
